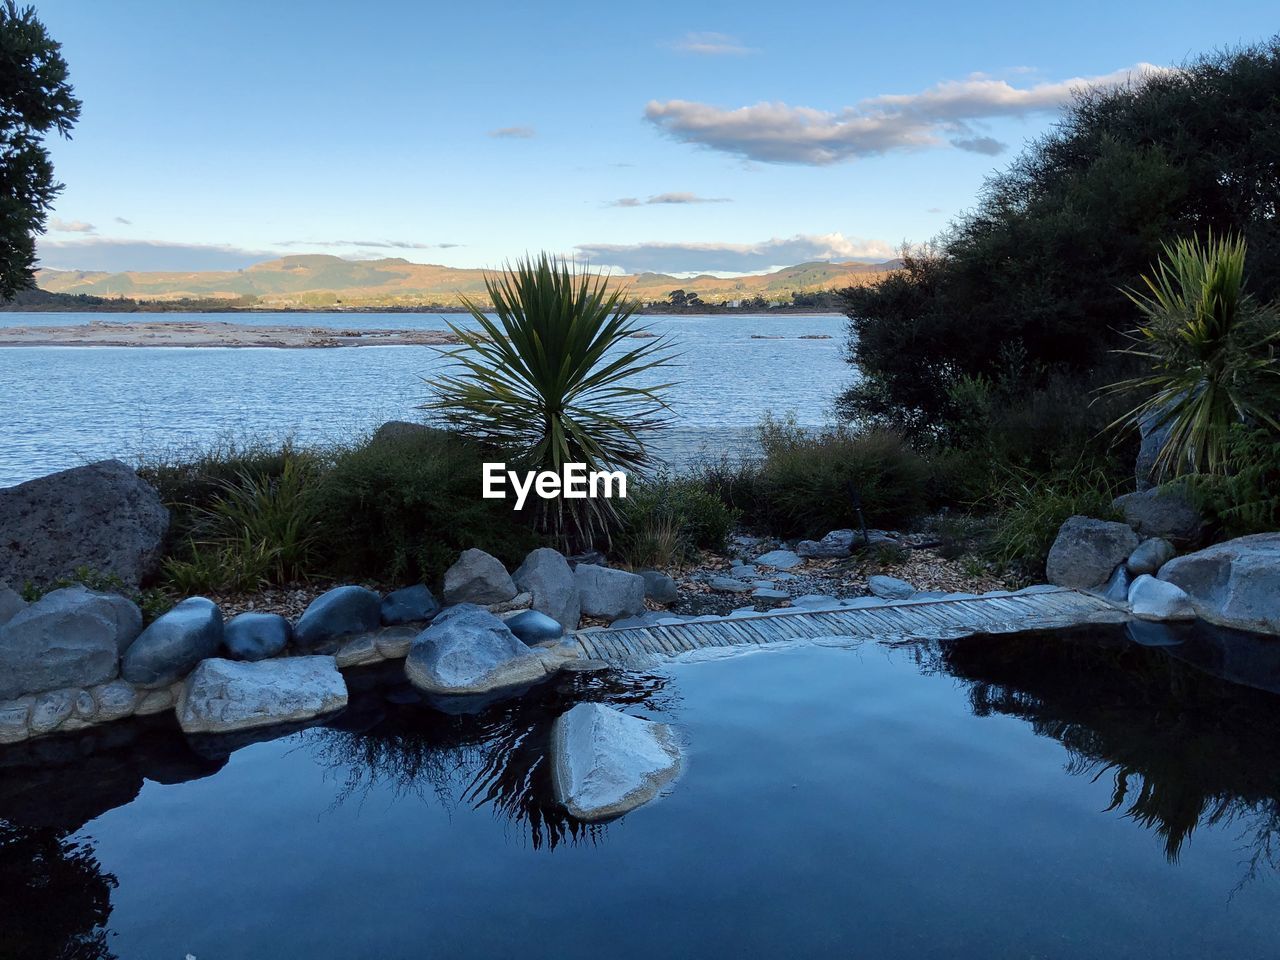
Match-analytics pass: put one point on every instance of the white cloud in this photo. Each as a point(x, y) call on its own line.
point(711, 45)
point(947, 112)
point(115, 256)
point(661, 199)
point(58, 225)
point(661, 257)
point(514, 133)
point(379, 244)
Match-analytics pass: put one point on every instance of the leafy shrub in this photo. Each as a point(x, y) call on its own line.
point(664, 522)
point(402, 507)
point(1029, 510)
point(1245, 498)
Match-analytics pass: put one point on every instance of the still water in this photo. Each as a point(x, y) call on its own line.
point(1075, 796)
point(64, 406)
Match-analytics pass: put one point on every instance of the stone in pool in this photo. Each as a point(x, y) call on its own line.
point(533, 628)
point(224, 696)
point(1233, 584)
point(168, 649)
point(1153, 599)
point(409, 605)
point(605, 763)
point(255, 635)
point(338, 613)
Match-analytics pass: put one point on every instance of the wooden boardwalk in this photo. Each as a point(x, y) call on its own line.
point(934, 619)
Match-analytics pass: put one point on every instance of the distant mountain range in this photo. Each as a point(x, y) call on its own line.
point(317, 281)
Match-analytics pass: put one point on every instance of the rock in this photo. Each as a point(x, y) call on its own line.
point(222, 696)
point(1150, 556)
point(836, 544)
point(15, 719)
point(68, 638)
point(1153, 599)
point(607, 593)
point(394, 642)
point(547, 575)
point(413, 604)
point(1149, 634)
point(744, 571)
point(659, 587)
point(51, 709)
point(1117, 588)
point(1154, 435)
point(155, 701)
point(358, 650)
point(533, 628)
point(467, 650)
point(605, 763)
point(889, 588)
point(168, 649)
point(337, 613)
point(10, 603)
point(521, 601)
point(650, 618)
point(1087, 551)
point(1167, 512)
point(765, 593)
point(102, 517)
point(728, 585)
point(780, 559)
point(256, 636)
point(115, 700)
point(477, 577)
point(1233, 584)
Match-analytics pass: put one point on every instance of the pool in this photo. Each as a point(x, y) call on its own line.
point(1029, 796)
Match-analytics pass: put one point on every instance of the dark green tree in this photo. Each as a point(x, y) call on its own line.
point(35, 98)
point(1038, 269)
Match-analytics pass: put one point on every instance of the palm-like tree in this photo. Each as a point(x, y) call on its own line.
point(1212, 350)
point(551, 379)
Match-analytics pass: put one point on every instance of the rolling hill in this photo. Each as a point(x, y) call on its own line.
point(317, 280)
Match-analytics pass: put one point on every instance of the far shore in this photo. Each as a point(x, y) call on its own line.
point(214, 333)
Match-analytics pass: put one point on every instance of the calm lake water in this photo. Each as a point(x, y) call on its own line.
point(1020, 797)
point(64, 406)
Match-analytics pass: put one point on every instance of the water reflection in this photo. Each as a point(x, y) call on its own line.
point(1183, 748)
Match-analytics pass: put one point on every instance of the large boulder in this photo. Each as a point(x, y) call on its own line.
point(547, 576)
point(1167, 512)
point(121, 612)
point(1152, 599)
point(10, 602)
point(611, 594)
point(338, 613)
point(479, 578)
point(605, 763)
point(1233, 584)
point(223, 696)
point(836, 544)
point(659, 587)
point(469, 651)
point(1087, 551)
point(413, 604)
point(256, 636)
point(68, 638)
point(102, 517)
point(171, 647)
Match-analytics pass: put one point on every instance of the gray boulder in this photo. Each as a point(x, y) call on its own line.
point(171, 647)
point(256, 636)
point(659, 587)
point(338, 613)
point(66, 639)
point(409, 605)
point(223, 696)
point(1233, 584)
point(1153, 599)
point(611, 594)
point(605, 763)
point(10, 603)
point(533, 627)
point(1150, 556)
point(102, 517)
point(468, 651)
point(837, 543)
point(1167, 512)
point(1087, 551)
point(890, 588)
point(547, 576)
point(780, 559)
point(478, 577)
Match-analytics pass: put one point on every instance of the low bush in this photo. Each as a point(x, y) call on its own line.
point(1245, 498)
point(664, 522)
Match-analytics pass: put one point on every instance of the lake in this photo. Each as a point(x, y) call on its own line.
point(65, 406)
point(1067, 797)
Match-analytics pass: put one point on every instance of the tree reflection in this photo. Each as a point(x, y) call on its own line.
point(1182, 748)
point(496, 758)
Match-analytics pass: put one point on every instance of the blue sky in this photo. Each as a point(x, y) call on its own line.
point(667, 136)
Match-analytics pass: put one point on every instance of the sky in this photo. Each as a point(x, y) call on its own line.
point(670, 136)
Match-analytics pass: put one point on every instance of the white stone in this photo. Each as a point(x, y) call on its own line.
point(221, 696)
point(1153, 599)
point(605, 763)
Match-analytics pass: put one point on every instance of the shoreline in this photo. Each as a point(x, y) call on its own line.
point(215, 333)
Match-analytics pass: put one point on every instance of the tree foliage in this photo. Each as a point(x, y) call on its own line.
point(35, 98)
point(1041, 264)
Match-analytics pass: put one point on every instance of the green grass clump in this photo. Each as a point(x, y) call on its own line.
point(663, 523)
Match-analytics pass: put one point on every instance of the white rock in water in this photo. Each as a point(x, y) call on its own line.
point(605, 763)
point(221, 696)
point(1153, 599)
